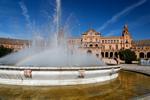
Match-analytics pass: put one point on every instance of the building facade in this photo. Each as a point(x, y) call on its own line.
point(108, 47)
point(15, 44)
point(93, 42)
point(142, 48)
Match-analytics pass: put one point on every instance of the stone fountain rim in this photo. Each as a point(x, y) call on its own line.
point(4, 67)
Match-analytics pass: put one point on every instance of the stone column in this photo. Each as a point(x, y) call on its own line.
point(108, 54)
point(145, 55)
point(137, 54)
point(113, 55)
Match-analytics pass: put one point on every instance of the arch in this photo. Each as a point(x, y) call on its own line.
point(106, 54)
point(148, 55)
point(91, 45)
point(102, 53)
point(111, 54)
point(116, 54)
point(96, 45)
point(89, 52)
point(141, 55)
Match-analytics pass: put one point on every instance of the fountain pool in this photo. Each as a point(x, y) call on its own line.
point(54, 63)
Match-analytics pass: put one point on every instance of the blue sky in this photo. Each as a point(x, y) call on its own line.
point(105, 16)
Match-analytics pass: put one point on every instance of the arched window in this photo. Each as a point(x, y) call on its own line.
point(111, 54)
point(102, 53)
point(111, 41)
point(106, 54)
point(102, 41)
point(148, 55)
point(141, 55)
point(91, 45)
point(96, 45)
point(116, 54)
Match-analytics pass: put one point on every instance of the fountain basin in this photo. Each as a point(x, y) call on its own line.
point(53, 76)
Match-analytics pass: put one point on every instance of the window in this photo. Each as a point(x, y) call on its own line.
point(102, 41)
point(106, 54)
point(111, 54)
point(114, 41)
point(91, 45)
point(109, 46)
point(111, 41)
point(96, 45)
point(116, 46)
point(117, 41)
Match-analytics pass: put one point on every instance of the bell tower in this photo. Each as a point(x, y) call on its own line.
point(125, 31)
point(126, 37)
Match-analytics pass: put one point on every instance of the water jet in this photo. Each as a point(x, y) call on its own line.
point(42, 65)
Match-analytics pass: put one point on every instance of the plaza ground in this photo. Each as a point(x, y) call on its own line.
point(136, 68)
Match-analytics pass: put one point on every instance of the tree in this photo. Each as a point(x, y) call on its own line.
point(127, 55)
point(4, 51)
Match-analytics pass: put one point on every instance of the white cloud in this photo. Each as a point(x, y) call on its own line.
point(114, 32)
point(118, 15)
point(25, 13)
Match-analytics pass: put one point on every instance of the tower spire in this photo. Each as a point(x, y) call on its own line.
point(125, 27)
point(125, 30)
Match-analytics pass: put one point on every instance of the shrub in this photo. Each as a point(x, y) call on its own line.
point(127, 55)
point(4, 51)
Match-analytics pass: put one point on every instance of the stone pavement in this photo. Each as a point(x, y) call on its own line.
point(137, 68)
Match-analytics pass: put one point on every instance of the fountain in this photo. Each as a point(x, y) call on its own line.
point(54, 63)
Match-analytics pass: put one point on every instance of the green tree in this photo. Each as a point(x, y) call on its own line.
point(127, 55)
point(4, 51)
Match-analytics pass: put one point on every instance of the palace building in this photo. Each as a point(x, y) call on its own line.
point(15, 44)
point(93, 42)
point(108, 47)
point(142, 48)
